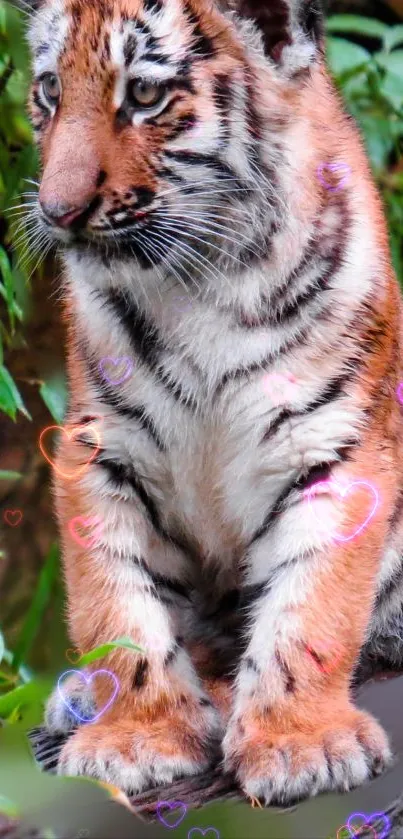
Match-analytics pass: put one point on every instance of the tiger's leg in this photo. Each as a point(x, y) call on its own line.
point(383, 647)
point(131, 582)
point(294, 730)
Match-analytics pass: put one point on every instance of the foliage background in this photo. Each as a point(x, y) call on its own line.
point(365, 53)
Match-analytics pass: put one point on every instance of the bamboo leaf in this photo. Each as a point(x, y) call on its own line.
point(10, 397)
point(35, 691)
point(54, 396)
point(9, 475)
point(38, 605)
point(104, 649)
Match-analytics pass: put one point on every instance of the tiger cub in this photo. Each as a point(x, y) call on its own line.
point(234, 349)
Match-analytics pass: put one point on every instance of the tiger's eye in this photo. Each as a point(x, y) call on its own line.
point(51, 88)
point(144, 94)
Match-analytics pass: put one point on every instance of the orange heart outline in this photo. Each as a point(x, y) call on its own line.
point(75, 430)
point(78, 653)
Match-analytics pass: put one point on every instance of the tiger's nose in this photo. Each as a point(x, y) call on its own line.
point(60, 215)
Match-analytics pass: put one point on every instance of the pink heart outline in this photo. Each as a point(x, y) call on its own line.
point(88, 677)
point(203, 831)
point(11, 514)
point(399, 392)
point(333, 167)
point(86, 541)
point(115, 361)
point(276, 380)
point(172, 805)
point(342, 492)
point(368, 820)
point(321, 650)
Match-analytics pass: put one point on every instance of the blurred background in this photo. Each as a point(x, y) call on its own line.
point(365, 53)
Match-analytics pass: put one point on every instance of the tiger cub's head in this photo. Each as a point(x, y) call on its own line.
point(163, 124)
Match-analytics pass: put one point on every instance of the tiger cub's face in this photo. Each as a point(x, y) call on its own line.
point(159, 124)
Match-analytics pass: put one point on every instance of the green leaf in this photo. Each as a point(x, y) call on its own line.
point(10, 398)
point(344, 56)
point(104, 649)
point(392, 61)
point(7, 275)
point(357, 24)
point(8, 808)
point(38, 605)
point(8, 475)
point(393, 36)
point(24, 673)
point(54, 396)
point(392, 89)
point(35, 691)
point(378, 138)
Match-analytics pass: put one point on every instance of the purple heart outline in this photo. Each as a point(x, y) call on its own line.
point(399, 392)
point(115, 362)
point(368, 820)
point(171, 805)
point(88, 677)
point(203, 831)
point(333, 167)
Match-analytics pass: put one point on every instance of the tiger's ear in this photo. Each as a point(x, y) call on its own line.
point(292, 30)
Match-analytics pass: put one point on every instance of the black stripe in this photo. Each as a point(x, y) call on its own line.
point(171, 656)
point(39, 104)
point(397, 512)
point(184, 123)
point(121, 473)
point(222, 169)
point(251, 593)
point(152, 6)
point(222, 95)
point(159, 580)
point(320, 472)
point(147, 344)
point(250, 664)
point(140, 674)
point(288, 675)
point(202, 46)
point(129, 49)
point(332, 391)
point(114, 400)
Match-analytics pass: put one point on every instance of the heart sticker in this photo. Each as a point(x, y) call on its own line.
point(13, 517)
point(368, 821)
point(399, 392)
point(342, 492)
point(170, 806)
point(78, 430)
point(86, 540)
point(87, 678)
point(203, 831)
point(73, 655)
point(279, 387)
point(116, 370)
point(329, 175)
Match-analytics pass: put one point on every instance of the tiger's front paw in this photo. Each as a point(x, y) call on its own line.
point(283, 767)
point(68, 709)
point(135, 755)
